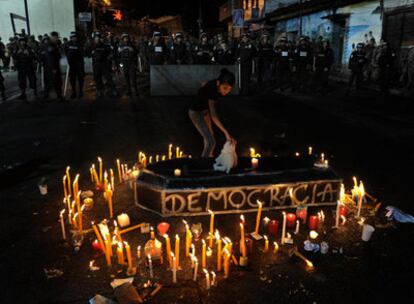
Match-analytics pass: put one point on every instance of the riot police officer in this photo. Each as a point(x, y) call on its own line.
point(157, 50)
point(223, 54)
point(178, 50)
point(244, 54)
point(203, 51)
point(265, 60)
point(386, 62)
point(303, 60)
point(24, 58)
point(50, 57)
point(324, 58)
point(74, 53)
point(283, 62)
point(102, 56)
point(128, 56)
point(356, 64)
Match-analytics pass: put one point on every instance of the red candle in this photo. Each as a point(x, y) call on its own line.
point(290, 220)
point(343, 211)
point(313, 222)
point(302, 213)
point(96, 246)
point(273, 226)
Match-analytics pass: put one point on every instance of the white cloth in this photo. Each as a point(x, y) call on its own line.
point(227, 159)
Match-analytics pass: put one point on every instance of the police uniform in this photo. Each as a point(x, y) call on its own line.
point(74, 53)
point(102, 56)
point(356, 64)
point(302, 61)
point(244, 54)
point(283, 60)
point(50, 57)
point(203, 51)
point(223, 54)
point(266, 57)
point(128, 56)
point(386, 63)
point(324, 58)
point(178, 51)
point(24, 58)
point(157, 51)
point(2, 88)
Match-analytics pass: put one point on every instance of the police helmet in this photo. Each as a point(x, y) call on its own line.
point(360, 45)
point(156, 34)
point(124, 35)
point(245, 35)
point(54, 34)
point(73, 35)
point(178, 34)
point(45, 37)
point(203, 34)
point(96, 34)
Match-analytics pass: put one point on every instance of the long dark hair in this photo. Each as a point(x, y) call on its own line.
point(226, 77)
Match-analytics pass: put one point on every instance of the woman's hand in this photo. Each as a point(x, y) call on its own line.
point(230, 139)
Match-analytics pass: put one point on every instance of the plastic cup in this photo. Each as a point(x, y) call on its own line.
point(367, 231)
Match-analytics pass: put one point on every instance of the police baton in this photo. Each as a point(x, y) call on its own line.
point(66, 80)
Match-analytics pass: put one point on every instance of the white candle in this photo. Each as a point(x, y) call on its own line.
point(360, 197)
point(123, 220)
point(177, 172)
point(297, 227)
point(139, 252)
point(207, 279)
point(62, 224)
point(337, 214)
point(195, 269)
point(174, 262)
point(213, 278)
point(283, 228)
point(150, 266)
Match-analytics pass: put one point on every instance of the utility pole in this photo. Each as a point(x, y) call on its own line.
point(26, 10)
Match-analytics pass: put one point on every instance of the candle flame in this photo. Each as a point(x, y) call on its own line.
point(265, 237)
point(266, 220)
point(211, 212)
point(172, 255)
point(310, 150)
point(342, 193)
point(242, 218)
point(217, 235)
point(259, 203)
point(166, 236)
point(203, 241)
point(276, 247)
point(361, 188)
point(355, 182)
point(205, 271)
point(309, 264)
point(297, 154)
point(62, 212)
point(177, 237)
point(99, 159)
point(343, 218)
point(67, 169)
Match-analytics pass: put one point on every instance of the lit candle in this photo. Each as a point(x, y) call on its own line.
point(211, 233)
point(100, 169)
point(123, 171)
point(150, 266)
point(129, 257)
point(168, 246)
point(213, 278)
point(118, 164)
point(219, 244)
point(310, 150)
point(68, 178)
point(174, 268)
point(259, 214)
point(139, 252)
point(187, 239)
point(62, 224)
point(65, 191)
point(170, 151)
point(157, 158)
point(98, 236)
point(313, 234)
point(91, 173)
point(120, 254)
point(242, 240)
point(290, 220)
point(177, 152)
point(255, 162)
point(266, 247)
point(177, 172)
point(297, 227)
point(177, 249)
point(207, 278)
point(109, 198)
point(123, 220)
point(152, 233)
point(105, 181)
point(112, 180)
point(337, 214)
point(276, 247)
point(195, 269)
point(360, 197)
point(313, 222)
point(95, 174)
point(226, 263)
point(272, 227)
point(203, 254)
point(107, 255)
point(75, 184)
point(283, 228)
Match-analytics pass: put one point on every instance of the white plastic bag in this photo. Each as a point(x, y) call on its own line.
point(227, 159)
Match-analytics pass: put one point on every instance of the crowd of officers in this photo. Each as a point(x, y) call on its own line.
point(302, 66)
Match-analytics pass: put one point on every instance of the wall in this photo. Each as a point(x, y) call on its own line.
point(44, 15)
